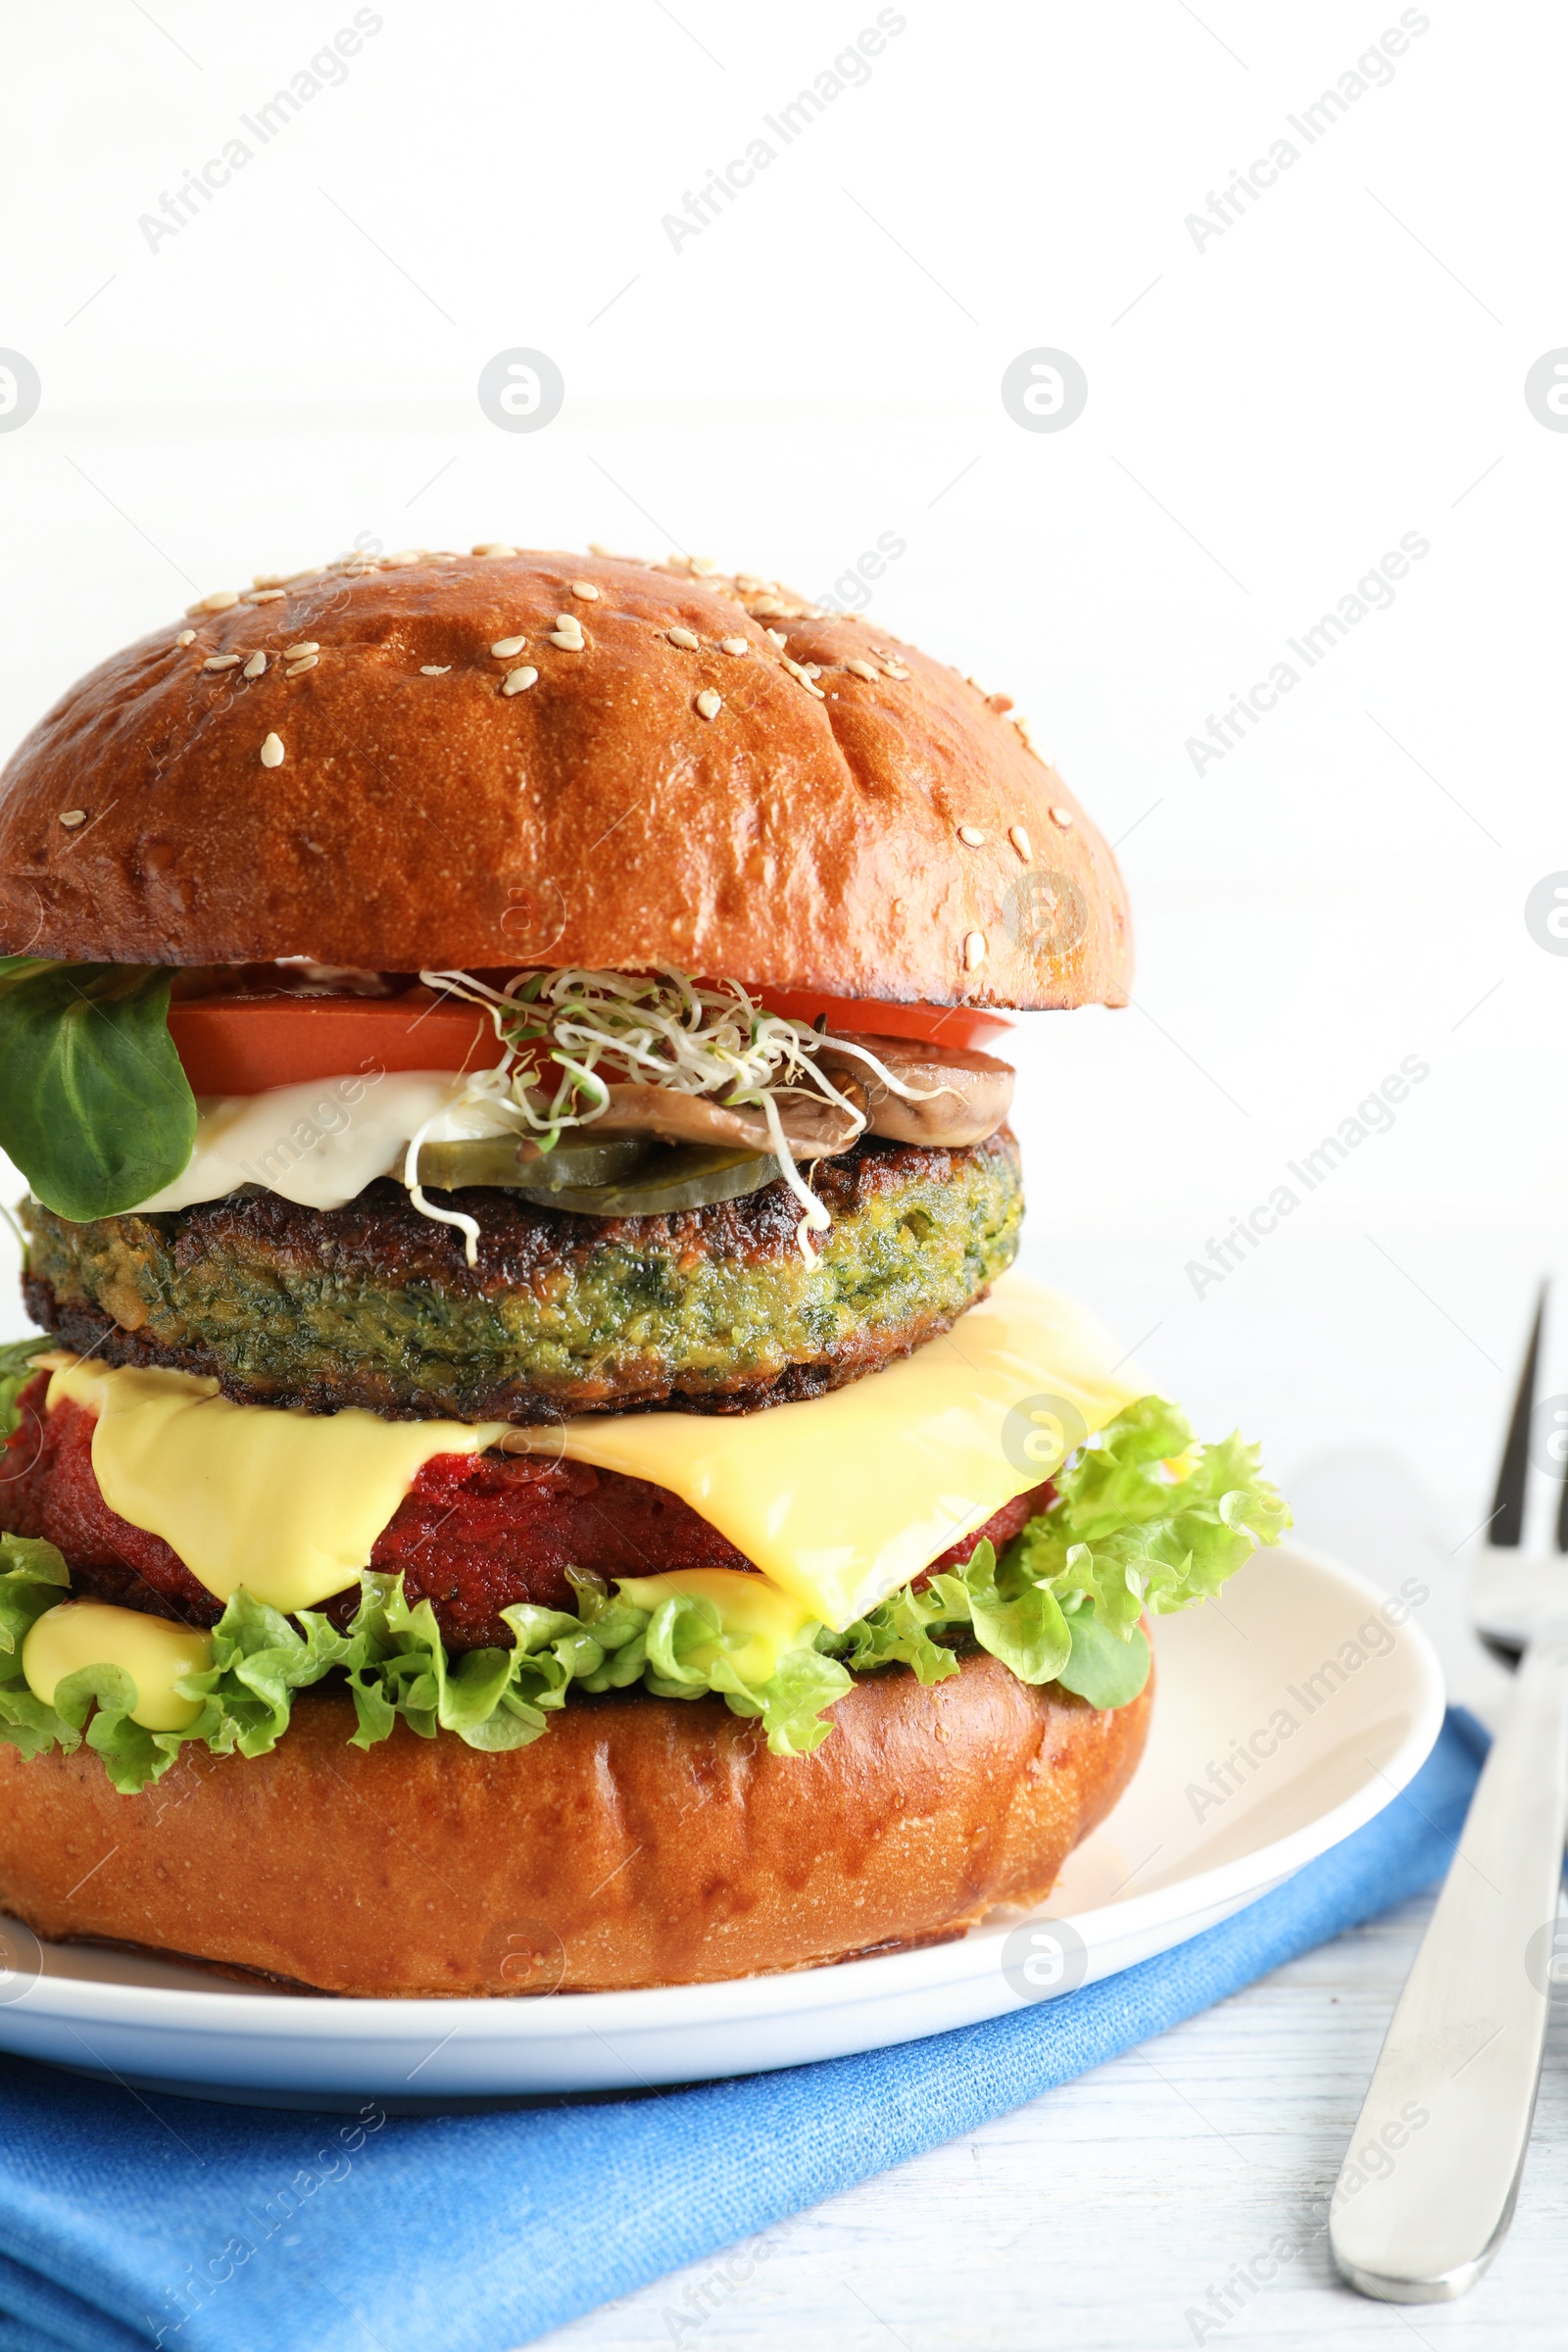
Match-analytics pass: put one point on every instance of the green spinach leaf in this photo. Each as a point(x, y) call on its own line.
point(94, 1107)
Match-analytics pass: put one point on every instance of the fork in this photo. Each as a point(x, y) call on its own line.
point(1464, 2045)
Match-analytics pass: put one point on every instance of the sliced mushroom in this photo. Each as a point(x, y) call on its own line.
point(813, 1129)
point(962, 1097)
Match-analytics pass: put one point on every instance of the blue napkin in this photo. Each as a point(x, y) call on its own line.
point(128, 2220)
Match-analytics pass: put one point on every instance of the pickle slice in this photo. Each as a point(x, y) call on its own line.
point(673, 1178)
point(496, 1160)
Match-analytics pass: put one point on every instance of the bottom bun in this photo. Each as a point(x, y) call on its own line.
point(642, 1842)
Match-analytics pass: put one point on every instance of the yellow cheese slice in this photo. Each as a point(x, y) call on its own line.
point(151, 1650)
point(838, 1501)
point(842, 1498)
point(287, 1503)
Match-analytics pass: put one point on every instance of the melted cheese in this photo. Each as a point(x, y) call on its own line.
point(322, 1144)
point(838, 1501)
point(753, 1605)
point(151, 1650)
point(287, 1503)
point(842, 1498)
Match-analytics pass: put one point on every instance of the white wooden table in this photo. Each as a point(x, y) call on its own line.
point(1104, 2214)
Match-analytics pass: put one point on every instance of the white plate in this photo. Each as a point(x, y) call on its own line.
point(1334, 1719)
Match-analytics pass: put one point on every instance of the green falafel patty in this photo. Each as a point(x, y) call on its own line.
point(372, 1304)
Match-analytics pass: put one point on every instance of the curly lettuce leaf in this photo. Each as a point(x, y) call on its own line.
point(34, 1577)
point(1141, 1521)
point(1103, 1668)
point(260, 1659)
point(492, 1698)
point(689, 1652)
point(95, 1107)
point(395, 1664)
point(14, 1374)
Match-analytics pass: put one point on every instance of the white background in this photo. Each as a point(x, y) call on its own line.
point(293, 373)
point(282, 378)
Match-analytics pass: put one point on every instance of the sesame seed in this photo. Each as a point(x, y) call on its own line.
point(569, 644)
point(813, 669)
point(435, 670)
point(265, 596)
point(763, 608)
point(268, 579)
point(703, 564)
point(72, 817)
point(254, 666)
point(750, 585)
point(684, 639)
point(734, 645)
point(296, 653)
point(972, 835)
point(779, 638)
point(1020, 842)
point(863, 669)
point(222, 661)
point(1061, 817)
point(221, 601)
point(806, 678)
point(709, 704)
point(505, 646)
point(186, 637)
point(898, 906)
point(896, 669)
point(495, 547)
point(272, 751)
point(297, 668)
point(569, 622)
point(404, 556)
point(608, 553)
point(974, 951)
point(518, 681)
point(584, 589)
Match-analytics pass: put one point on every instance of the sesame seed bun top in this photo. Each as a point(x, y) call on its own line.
point(511, 757)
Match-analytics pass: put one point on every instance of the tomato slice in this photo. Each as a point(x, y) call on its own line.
point(933, 1024)
point(245, 1045)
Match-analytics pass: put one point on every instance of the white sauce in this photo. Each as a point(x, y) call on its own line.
point(322, 1144)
